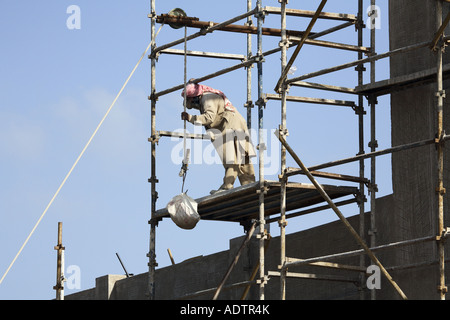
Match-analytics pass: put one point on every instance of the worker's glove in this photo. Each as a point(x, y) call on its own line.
point(186, 116)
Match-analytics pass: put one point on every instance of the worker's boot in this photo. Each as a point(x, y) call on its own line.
point(217, 191)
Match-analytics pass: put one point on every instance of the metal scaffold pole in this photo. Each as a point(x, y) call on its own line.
point(154, 195)
point(261, 147)
point(59, 287)
point(249, 103)
point(360, 112)
point(282, 222)
point(442, 288)
point(373, 142)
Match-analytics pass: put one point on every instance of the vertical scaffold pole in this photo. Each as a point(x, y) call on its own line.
point(261, 146)
point(154, 195)
point(60, 266)
point(282, 222)
point(249, 104)
point(440, 189)
point(373, 142)
point(360, 112)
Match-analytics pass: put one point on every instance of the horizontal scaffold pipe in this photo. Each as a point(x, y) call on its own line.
point(244, 64)
point(310, 14)
point(292, 172)
point(331, 30)
point(357, 252)
point(205, 31)
point(204, 54)
point(358, 62)
point(236, 28)
point(293, 35)
point(333, 45)
point(270, 96)
point(327, 87)
point(312, 210)
point(181, 135)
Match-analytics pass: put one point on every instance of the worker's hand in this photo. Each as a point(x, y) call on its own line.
point(186, 116)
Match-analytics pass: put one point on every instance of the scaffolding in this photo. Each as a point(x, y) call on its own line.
point(255, 205)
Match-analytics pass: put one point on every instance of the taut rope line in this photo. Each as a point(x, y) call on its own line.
point(76, 162)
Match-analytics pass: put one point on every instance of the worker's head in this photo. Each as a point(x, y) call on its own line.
point(192, 90)
point(193, 102)
point(193, 95)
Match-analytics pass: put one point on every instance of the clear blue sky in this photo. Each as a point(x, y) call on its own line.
point(56, 84)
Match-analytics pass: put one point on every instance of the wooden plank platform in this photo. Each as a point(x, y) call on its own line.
point(242, 203)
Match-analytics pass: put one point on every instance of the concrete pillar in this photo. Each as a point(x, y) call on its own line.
point(104, 286)
point(414, 118)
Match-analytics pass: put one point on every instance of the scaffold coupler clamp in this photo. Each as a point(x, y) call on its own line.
point(444, 235)
point(263, 280)
point(440, 141)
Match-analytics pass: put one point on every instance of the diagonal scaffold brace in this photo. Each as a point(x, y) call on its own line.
point(322, 192)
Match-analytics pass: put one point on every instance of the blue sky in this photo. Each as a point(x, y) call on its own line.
point(56, 85)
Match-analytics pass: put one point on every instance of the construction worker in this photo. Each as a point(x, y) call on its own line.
point(230, 135)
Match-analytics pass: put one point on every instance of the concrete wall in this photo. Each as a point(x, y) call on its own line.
point(414, 118)
point(206, 272)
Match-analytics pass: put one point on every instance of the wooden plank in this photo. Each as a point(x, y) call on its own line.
point(242, 203)
point(402, 82)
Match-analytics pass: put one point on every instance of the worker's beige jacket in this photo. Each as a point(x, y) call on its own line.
point(230, 134)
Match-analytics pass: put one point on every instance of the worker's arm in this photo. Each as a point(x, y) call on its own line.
point(210, 106)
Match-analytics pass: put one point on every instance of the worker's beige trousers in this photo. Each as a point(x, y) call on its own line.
point(245, 173)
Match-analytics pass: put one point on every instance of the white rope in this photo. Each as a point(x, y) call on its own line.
point(75, 164)
point(186, 153)
point(185, 84)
